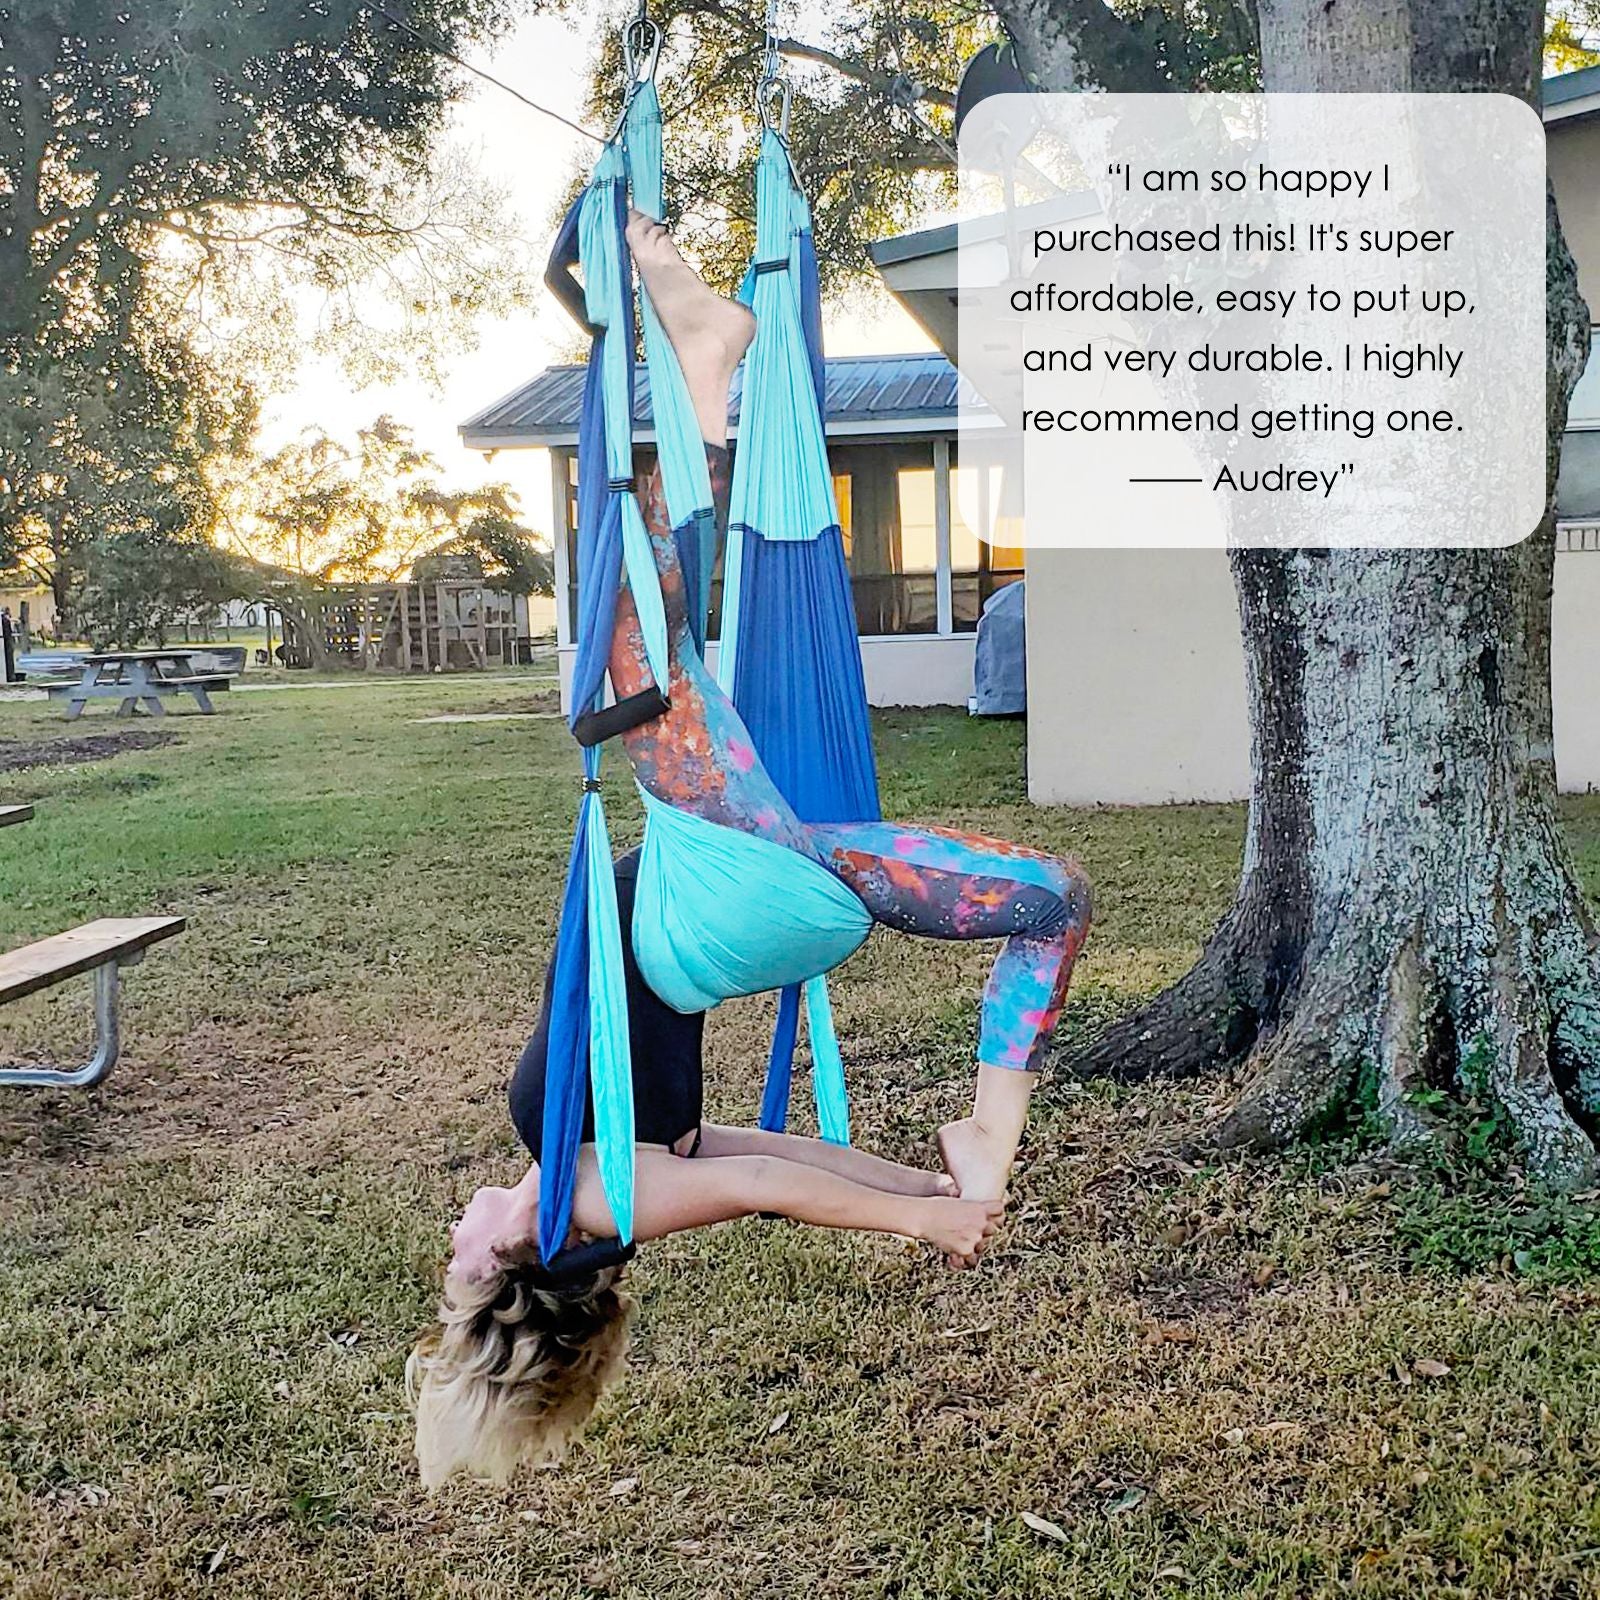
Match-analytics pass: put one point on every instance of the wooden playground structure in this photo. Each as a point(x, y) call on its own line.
point(446, 625)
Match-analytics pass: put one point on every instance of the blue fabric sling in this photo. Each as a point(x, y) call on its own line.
point(719, 912)
point(785, 578)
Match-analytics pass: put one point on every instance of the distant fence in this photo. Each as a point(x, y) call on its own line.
point(1578, 534)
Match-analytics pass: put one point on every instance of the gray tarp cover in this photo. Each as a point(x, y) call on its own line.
point(999, 674)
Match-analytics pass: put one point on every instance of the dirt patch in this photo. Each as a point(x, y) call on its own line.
point(545, 700)
point(18, 755)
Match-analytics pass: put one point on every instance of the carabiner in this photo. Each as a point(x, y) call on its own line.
point(641, 49)
point(775, 113)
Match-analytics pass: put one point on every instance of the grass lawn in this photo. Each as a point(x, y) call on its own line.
point(1309, 1378)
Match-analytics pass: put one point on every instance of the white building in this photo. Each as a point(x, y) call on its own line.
point(919, 575)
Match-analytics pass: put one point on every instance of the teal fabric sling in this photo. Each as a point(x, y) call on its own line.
point(721, 913)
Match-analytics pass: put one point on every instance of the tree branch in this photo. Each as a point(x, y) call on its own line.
point(891, 87)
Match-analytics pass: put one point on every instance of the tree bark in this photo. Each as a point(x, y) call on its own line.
point(1408, 930)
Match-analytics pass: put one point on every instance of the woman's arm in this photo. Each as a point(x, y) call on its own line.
point(857, 1165)
point(672, 1195)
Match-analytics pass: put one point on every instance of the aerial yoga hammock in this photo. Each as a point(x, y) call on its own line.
point(764, 863)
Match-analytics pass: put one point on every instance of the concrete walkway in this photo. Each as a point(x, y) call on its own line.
point(493, 716)
point(24, 692)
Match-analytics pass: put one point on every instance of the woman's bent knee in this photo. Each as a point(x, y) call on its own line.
point(1071, 884)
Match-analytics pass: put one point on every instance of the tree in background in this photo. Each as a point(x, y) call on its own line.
point(1572, 35)
point(872, 125)
point(363, 514)
point(176, 183)
point(872, 120)
point(491, 545)
point(137, 586)
point(85, 459)
point(319, 514)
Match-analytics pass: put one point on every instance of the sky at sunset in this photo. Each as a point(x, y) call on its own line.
point(531, 158)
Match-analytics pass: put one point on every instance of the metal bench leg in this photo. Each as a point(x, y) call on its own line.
point(107, 1044)
point(152, 704)
point(203, 700)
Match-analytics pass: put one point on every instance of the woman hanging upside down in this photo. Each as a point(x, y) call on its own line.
point(521, 1355)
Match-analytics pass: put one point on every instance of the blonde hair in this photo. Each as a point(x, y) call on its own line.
point(513, 1370)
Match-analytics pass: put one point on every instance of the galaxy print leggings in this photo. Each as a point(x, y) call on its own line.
point(935, 882)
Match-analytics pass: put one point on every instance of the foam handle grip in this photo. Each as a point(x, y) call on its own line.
point(595, 727)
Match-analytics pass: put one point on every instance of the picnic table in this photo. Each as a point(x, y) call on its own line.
point(14, 814)
point(139, 677)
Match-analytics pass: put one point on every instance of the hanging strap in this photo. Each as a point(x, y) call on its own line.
point(827, 1065)
point(608, 278)
point(782, 483)
point(782, 491)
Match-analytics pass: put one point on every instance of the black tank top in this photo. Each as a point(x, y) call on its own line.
point(666, 1044)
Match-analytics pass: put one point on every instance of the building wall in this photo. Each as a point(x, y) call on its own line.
point(1136, 677)
point(1578, 487)
point(41, 608)
point(541, 614)
point(911, 671)
point(1574, 157)
point(1575, 668)
point(1574, 154)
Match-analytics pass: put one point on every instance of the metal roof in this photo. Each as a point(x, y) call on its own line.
point(1567, 88)
point(865, 394)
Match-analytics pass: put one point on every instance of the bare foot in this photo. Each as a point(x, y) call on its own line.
point(979, 1163)
point(709, 334)
point(960, 1228)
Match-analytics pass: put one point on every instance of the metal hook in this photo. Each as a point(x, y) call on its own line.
point(775, 113)
point(641, 49)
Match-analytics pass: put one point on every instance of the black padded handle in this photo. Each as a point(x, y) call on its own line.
point(584, 1261)
point(595, 727)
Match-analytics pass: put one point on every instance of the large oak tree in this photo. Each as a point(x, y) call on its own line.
point(1408, 935)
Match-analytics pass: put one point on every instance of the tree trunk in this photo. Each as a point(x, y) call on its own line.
point(1408, 929)
point(304, 629)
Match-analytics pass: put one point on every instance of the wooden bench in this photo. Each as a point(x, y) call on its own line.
point(103, 947)
point(10, 815)
point(216, 682)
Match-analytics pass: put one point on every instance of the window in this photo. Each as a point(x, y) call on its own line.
point(887, 497)
point(570, 458)
point(886, 513)
point(1583, 410)
point(842, 503)
point(977, 569)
